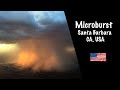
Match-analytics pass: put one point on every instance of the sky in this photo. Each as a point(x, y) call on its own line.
point(39, 40)
point(32, 22)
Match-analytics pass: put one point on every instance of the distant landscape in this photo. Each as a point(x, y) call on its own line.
point(11, 72)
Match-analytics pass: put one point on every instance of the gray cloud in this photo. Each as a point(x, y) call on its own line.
point(16, 16)
point(52, 32)
point(21, 24)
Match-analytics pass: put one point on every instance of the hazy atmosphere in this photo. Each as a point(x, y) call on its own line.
point(33, 42)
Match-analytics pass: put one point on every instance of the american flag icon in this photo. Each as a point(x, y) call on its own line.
point(98, 57)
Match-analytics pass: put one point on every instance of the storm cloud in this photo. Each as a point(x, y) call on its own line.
point(43, 38)
point(24, 24)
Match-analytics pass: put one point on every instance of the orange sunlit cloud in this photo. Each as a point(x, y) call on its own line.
point(37, 55)
point(26, 58)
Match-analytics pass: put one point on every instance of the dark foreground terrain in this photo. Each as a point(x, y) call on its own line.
point(11, 72)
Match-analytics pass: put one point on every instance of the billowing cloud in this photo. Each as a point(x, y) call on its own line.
point(16, 16)
point(43, 40)
point(24, 24)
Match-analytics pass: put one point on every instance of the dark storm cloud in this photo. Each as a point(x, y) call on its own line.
point(22, 24)
point(16, 16)
point(40, 33)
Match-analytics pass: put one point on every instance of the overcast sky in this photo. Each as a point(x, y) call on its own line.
point(21, 24)
point(53, 46)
